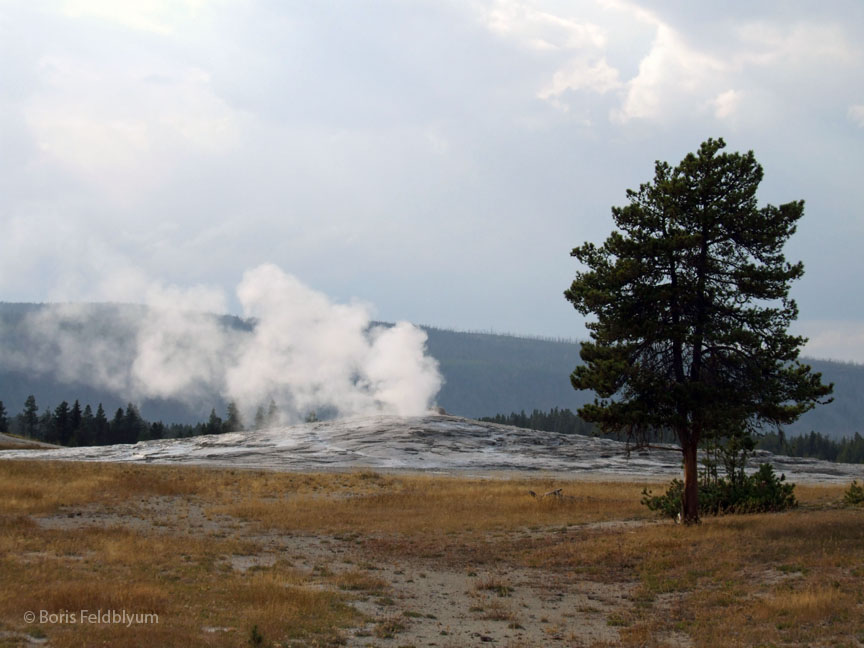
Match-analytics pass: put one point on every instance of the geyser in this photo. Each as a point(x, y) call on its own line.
point(298, 349)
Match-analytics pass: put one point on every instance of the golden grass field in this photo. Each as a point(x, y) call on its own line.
point(237, 558)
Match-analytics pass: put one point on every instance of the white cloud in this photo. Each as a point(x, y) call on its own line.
point(124, 128)
point(159, 16)
point(685, 75)
point(535, 28)
point(581, 74)
point(438, 143)
point(575, 47)
point(726, 104)
point(670, 77)
point(800, 44)
point(856, 115)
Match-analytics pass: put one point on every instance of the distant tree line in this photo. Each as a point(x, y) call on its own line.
point(813, 445)
point(562, 421)
point(72, 425)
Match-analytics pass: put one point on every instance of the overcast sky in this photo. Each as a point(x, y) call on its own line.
point(436, 159)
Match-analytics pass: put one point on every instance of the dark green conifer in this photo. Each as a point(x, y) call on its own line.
point(117, 428)
point(214, 423)
point(233, 421)
point(691, 299)
point(30, 417)
point(157, 430)
point(62, 424)
point(135, 428)
point(101, 427)
point(75, 415)
point(85, 434)
point(45, 429)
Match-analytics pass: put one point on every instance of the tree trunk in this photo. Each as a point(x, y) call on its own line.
point(690, 503)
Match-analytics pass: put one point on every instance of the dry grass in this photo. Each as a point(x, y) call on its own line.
point(164, 539)
point(494, 610)
point(496, 585)
point(46, 486)
point(181, 579)
point(15, 442)
point(416, 505)
point(774, 579)
point(356, 580)
point(14, 445)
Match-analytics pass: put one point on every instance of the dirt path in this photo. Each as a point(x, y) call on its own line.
point(420, 601)
point(445, 608)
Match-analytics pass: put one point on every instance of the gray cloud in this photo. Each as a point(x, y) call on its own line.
point(436, 159)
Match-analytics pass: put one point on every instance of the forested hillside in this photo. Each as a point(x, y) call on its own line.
point(491, 374)
point(485, 374)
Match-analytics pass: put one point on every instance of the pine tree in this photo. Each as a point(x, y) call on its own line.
point(117, 428)
point(4, 419)
point(85, 434)
point(75, 420)
point(214, 423)
point(272, 413)
point(135, 427)
point(45, 429)
point(101, 427)
point(260, 418)
point(157, 430)
point(62, 424)
point(233, 421)
point(692, 307)
point(30, 417)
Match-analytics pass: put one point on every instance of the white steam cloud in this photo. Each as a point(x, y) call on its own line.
point(307, 352)
point(294, 346)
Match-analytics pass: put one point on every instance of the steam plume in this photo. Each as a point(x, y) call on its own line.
point(297, 348)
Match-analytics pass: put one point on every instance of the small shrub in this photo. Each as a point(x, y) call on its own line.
point(855, 495)
point(669, 503)
point(388, 628)
point(495, 585)
point(256, 639)
point(497, 611)
point(616, 620)
point(761, 492)
point(360, 581)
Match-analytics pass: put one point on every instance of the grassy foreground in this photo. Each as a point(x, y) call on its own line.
point(234, 558)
